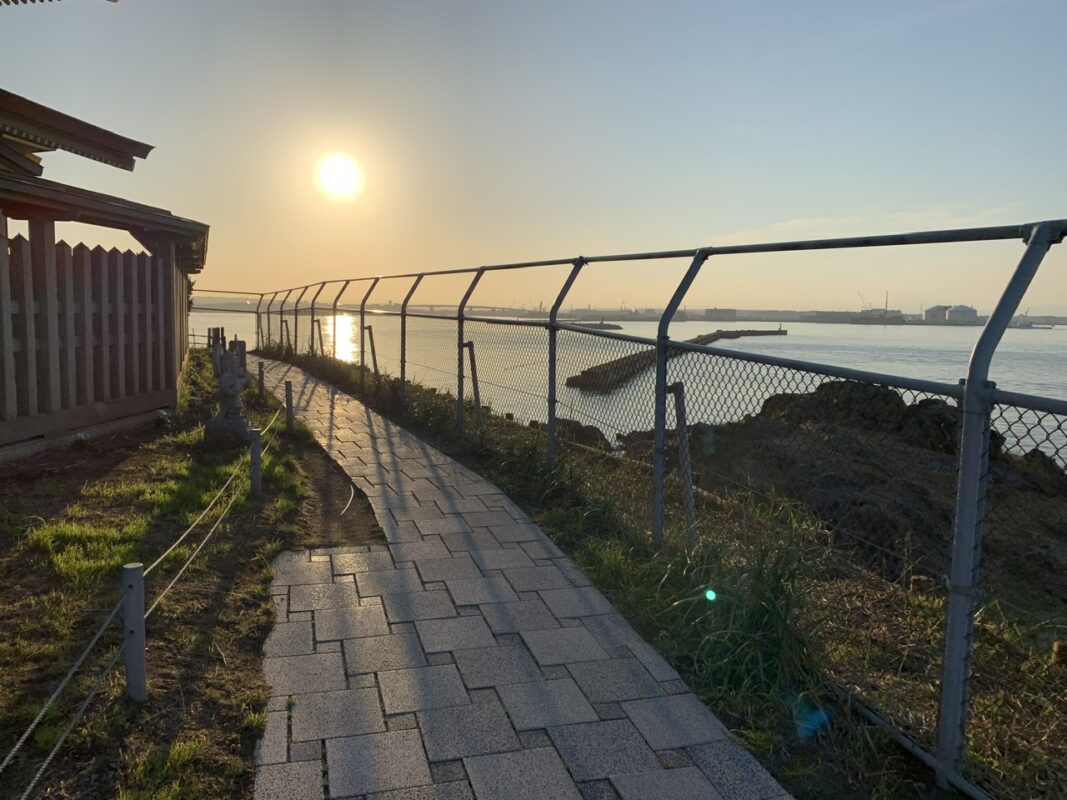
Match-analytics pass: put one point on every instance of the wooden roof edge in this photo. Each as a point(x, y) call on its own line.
point(55, 130)
point(23, 197)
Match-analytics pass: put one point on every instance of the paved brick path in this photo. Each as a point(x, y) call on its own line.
point(467, 658)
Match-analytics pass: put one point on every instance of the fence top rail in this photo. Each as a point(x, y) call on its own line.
point(1020, 231)
point(1032, 402)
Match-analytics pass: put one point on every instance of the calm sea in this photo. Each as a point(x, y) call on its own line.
point(512, 368)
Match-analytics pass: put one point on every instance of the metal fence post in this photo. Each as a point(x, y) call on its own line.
point(255, 461)
point(404, 338)
point(362, 330)
point(133, 655)
point(289, 406)
point(553, 334)
point(659, 448)
point(474, 383)
point(373, 356)
point(685, 465)
point(282, 323)
point(459, 347)
point(259, 323)
point(296, 319)
point(262, 384)
point(270, 339)
point(970, 509)
point(315, 297)
point(336, 300)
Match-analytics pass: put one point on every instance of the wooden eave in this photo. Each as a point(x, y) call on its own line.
point(44, 128)
point(25, 197)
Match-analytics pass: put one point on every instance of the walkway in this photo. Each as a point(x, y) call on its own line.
point(467, 658)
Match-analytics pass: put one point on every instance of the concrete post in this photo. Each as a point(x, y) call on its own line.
point(133, 655)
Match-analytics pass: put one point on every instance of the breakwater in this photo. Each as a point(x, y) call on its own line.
point(609, 376)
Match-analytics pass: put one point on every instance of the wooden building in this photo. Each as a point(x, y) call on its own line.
point(87, 335)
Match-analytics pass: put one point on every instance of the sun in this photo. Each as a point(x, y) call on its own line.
point(339, 176)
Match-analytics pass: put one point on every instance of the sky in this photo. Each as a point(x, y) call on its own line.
point(504, 131)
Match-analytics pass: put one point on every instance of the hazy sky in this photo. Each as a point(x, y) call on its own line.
point(499, 131)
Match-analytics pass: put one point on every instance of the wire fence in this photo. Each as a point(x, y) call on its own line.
point(911, 480)
point(240, 468)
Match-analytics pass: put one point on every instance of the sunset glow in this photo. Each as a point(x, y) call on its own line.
point(339, 176)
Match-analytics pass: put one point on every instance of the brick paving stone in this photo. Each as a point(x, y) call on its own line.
point(493, 666)
point(461, 731)
point(576, 602)
point(734, 772)
point(306, 751)
point(361, 562)
point(542, 704)
point(456, 633)
point(291, 572)
point(524, 615)
point(443, 524)
point(388, 582)
point(529, 579)
point(615, 680)
point(319, 672)
point(376, 762)
point(322, 595)
point(422, 688)
point(457, 504)
point(687, 783)
point(595, 750)
point(679, 720)
point(451, 567)
point(563, 646)
point(521, 775)
point(273, 747)
point(377, 653)
point(517, 532)
point(540, 550)
point(470, 541)
point(486, 519)
point(289, 639)
point(409, 551)
point(299, 781)
point(612, 630)
point(455, 790)
point(350, 623)
point(447, 771)
point(325, 715)
point(412, 606)
point(502, 559)
point(481, 590)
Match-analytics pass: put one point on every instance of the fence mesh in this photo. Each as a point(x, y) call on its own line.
point(512, 365)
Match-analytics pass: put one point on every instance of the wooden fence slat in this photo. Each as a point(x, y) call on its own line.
point(103, 314)
point(144, 267)
point(9, 406)
point(65, 281)
point(133, 326)
point(168, 326)
point(22, 283)
point(118, 319)
point(43, 254)
point(159, 280)
point(83, 283)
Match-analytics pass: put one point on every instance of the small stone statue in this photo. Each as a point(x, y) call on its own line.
point(228, 426)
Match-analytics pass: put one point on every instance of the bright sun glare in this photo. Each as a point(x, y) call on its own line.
point(339, 176)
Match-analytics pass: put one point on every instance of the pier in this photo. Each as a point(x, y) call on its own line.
point(609, 376)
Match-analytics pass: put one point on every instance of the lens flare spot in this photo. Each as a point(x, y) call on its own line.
point(709, 594)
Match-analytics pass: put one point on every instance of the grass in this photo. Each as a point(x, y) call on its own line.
point(68, 522)
point(793, 615)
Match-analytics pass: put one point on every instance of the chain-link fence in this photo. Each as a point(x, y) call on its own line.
point(895, 484)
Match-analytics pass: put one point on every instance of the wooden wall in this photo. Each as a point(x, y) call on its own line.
point(86, 335)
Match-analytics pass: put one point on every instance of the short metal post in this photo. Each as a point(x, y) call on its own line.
point(459, 348)
point(259, 330)
point(262, 384)
point(553, 334)
point(970, 509)
point(373, 355)
point(362, 328)
point(659, 447)
point(404, 339)
point(474, 382)
point(255, 461)
point(296, 319)
point(133, 654)
point(289, 406)
point(685, 465)
point(270, 338)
